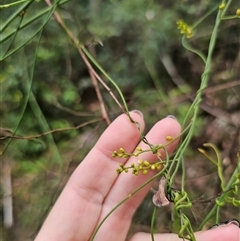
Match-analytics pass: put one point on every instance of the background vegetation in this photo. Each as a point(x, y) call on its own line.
point(46, 86)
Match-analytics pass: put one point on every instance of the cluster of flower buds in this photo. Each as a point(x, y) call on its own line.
point(184, 28)
point(121, 153)
point(142, 166)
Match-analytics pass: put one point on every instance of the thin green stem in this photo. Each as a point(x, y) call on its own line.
point(39, 30)
point(196, 104)
point(13, 3)
point(207, 156)
point(28, 92)
point(183, 174)
point(178, 154)
point(217, 214)
point(187, 46)
point(14, 36)
point(223, 196)
point(108, 77)
point(219, 164)
point(28, 22)
point(14, 15)
point(124, 200)
point(152, 222)
point(42, 122)
point(200, 20)
point(230, 17)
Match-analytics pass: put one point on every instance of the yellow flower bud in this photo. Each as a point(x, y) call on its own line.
point(169, 138)
point(121, 150)
point(222, 6)
point(140, 161)
point(146, 163)
point(145, 171)
point(135, 153)
point(238, 12)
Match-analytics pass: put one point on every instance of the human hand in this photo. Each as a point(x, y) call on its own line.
point(95, 188)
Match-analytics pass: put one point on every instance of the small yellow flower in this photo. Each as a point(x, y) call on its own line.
point(139, 148)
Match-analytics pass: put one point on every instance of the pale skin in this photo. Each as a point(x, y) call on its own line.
point(95, 188)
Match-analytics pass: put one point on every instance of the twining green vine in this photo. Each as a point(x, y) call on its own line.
point(230, 191)
point(171, 166)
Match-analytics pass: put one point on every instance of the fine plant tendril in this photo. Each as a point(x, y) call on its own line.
point(231, 190)
point(152, 222)
point(125, 199)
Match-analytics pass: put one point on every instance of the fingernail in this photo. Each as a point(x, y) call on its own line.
point(138, 112)
point(226, 223)
point(171, 116)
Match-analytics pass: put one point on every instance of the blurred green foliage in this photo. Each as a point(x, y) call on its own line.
point(45, 85)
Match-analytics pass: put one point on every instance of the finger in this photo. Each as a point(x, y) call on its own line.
point(99, 165)
point(120, 219)
point(75, 214)
point(231, 232)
